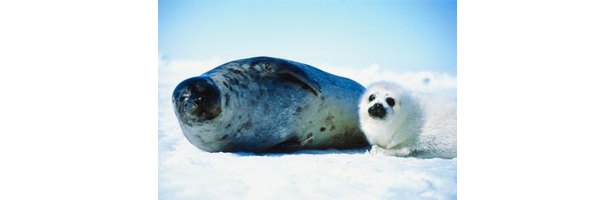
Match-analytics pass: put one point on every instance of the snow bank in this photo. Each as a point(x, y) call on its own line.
point(188, 173)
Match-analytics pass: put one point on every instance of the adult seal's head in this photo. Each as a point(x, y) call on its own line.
point(268, 104)
point(197, 100)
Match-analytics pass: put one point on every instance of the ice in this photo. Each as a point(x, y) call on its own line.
point(186, 172)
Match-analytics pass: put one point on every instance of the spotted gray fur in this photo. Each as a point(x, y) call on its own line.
point(266, 104)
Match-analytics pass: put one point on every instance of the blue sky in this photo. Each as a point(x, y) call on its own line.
point(397, 35)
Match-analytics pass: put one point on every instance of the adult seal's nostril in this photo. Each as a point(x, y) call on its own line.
point(197, 100)
point(377, 111)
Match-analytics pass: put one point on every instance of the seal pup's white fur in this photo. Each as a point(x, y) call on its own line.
point(415, 125)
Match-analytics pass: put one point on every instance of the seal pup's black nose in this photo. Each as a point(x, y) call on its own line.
point(197, 100)
point(377, 111)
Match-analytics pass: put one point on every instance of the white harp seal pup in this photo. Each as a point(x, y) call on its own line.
point(266, 104)
point(399, 122)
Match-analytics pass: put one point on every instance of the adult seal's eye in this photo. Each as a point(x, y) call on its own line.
point(390, 101)
point(371, 98)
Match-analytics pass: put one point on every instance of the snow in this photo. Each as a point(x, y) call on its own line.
point(188, 173)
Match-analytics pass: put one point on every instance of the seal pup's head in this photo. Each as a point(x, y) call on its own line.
point(386, 109)
point(383, 100)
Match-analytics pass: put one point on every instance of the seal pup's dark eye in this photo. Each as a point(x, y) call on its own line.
point(391, 101)
point(371, 98)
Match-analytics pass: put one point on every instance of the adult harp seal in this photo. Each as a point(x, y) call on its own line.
point(265, 104)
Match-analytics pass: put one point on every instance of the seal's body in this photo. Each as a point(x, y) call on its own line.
point(265, 104)
point(398, 122)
